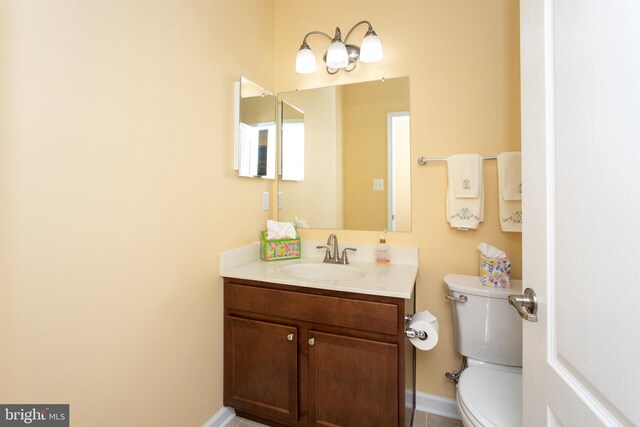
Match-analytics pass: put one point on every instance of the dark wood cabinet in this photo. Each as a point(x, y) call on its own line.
point(262, 359)
point(352, 382)
point(298, 356)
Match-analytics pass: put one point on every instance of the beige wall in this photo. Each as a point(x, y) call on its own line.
point(117, 196)
point(364, 115)
point(462, 59)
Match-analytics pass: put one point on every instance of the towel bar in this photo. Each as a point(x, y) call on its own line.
point(424, 160)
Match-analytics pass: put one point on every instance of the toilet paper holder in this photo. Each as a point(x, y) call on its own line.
point(412, 333)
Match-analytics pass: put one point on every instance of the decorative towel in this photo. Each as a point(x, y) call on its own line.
point(465, 177)
point(464, 213)
point(510, 175)
point(509, 181)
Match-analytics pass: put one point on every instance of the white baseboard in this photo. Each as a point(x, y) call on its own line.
point(438, 405)
point(221, 418)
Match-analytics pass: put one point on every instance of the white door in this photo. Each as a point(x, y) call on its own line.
point(398, 176)
point(580, 70)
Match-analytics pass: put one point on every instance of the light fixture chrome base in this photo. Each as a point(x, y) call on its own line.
point(306, 63)
point(354, 54)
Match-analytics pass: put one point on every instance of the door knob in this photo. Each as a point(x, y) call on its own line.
point(526, 305)
point(290, 337)
point(312, 341)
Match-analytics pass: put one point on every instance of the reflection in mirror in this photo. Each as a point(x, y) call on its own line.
point(356, 158)
point(256, 132)
point(292, 141)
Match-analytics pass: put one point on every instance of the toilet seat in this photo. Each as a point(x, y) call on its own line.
point(490, 397)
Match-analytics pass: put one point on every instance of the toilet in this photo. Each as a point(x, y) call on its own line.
point(488, 333)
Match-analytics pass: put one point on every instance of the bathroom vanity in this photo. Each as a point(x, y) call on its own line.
point(299, 351)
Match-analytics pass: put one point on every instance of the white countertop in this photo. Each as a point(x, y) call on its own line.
point(395, 279)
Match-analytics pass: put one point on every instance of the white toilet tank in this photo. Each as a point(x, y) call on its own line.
point(486, 326)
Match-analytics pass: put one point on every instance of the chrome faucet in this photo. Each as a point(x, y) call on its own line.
point(335, 258)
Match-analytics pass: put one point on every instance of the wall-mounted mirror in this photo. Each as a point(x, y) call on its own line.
point(256, 131)
point(352, 156)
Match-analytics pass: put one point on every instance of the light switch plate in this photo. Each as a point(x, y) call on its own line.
point(279, 199)
point(265, 200)
point(378, 184)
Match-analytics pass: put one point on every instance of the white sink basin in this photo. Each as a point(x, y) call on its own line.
point(322, 271)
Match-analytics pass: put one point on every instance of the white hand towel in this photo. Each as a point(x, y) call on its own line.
point(510, 175)
point(464, 213)
point(510, 181)
point(280, 230)
point(510, 213)
point(465, 177)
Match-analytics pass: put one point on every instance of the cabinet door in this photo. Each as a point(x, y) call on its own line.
point(352, 382)
point(261, 368)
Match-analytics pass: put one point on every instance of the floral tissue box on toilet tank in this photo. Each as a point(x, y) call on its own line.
point(280, 249)
point(495, 272)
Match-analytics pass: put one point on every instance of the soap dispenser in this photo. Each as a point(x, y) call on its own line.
point(382, 250)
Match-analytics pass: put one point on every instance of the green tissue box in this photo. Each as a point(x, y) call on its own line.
point(281, 249)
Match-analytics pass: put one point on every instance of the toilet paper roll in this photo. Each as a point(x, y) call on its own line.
point(427, 322)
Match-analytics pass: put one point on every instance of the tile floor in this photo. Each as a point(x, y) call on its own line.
point(424, 419)
point(420, 419)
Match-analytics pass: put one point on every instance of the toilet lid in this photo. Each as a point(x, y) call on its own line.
point(493, 397)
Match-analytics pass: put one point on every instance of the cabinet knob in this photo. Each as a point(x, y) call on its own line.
point(312, 341)
point(290, 337)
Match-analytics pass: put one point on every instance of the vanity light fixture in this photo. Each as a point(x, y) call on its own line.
point(340, 55)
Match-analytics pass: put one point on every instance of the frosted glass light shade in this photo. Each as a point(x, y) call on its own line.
point(306, 62)
point(371, 49)
point(337, 56)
